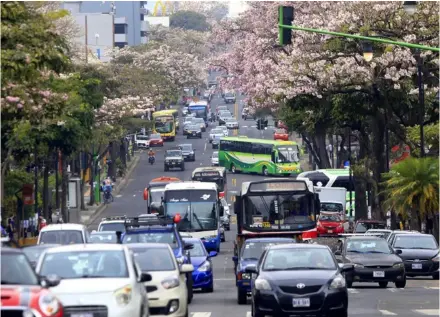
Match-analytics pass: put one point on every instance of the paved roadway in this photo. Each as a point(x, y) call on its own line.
point(419, 298)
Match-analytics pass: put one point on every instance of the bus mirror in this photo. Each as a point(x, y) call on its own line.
point(145, 194)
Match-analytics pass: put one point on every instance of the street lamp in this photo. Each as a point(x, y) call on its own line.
point(367, 49)
point(410, 7)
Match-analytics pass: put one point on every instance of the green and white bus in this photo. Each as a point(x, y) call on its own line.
point(267, 157)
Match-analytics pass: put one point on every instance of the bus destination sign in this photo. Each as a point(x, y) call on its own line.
point(164, 119)
point(278, 186)
point(206, 174)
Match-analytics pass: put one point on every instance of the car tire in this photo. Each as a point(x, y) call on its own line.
point(187, 136)
point(166, 168)
point(340, 313)
point(189, 285)
point(241, 297)
point(223, 239)
point(400, 284)
point(348, 282)
point(383, 284)
point(210, 289)
point(194, 158)
point(435, 276)
point(256, 313)
point(183, 167)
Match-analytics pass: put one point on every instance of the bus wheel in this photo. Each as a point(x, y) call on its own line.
point(265, 172)
point(233, 170)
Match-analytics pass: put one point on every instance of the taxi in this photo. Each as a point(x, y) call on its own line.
point(281, 134)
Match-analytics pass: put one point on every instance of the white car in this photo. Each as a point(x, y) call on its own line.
point(185, 111)
point(216, 132)
point(96, 280)
point(63, 233)
point(225, 130)
point(167, 291)
point(115, 223)
point(231, 123)
point(142, 141)
point(214, 158)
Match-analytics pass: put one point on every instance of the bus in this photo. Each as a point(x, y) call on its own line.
point(164, 124)
point(212, 174)
point(267, 157)
point(339, 177)
point(175, 114)
point(200, 108)
point(275, 208)
point(198, 205)
point(153, 193)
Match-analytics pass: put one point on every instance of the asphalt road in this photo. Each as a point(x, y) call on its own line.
point(419, 298)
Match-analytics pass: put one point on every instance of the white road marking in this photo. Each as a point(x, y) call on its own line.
point(117, 196)
point(248, 314)
point(427, 312)
point(387, 313)
point(244, 126)
point(353, 291)
point(432, 287)
point(253, 126)
point(202, 314)
point(394, 290)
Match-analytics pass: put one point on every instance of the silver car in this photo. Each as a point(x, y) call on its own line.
point(214, 158)
point(214, 133)
point(231, 123)
point(225, 130)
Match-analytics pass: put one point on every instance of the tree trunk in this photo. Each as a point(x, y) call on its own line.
point(64, 187)
point(415, 220)
point(46, 191)
point(57, 180)
point(320, 146)
point(123, 153)
point(5, 167)
point(113, 158)
point(91, 166)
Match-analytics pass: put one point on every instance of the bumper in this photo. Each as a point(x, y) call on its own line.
point(422, 268)
point(176, 165)
point(369, 275)
point(189, 157)
point(193, 135)
point(202, 279)
point(159, 306)
point(329, 232)
point(211, 244)
point(156, 144)
point(244, 285)
point(281, 304)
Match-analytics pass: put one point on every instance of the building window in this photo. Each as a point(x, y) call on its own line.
point(120, 29)
point(144, 33)
point(121, 44)
point(142, 17)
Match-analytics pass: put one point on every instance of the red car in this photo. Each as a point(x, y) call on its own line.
point(156, 140)
point(281, 134)
point(23, 293)
point(330, 224)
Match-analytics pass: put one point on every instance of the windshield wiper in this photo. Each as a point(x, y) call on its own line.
point(355, 251)
point(96, 276)
point(198, 221)
point(380, 252)
point(306, 268)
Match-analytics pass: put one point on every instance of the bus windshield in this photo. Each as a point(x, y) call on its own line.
point(278, 212)
point(210, 177)
point(287, 155)
point(198, 209)
point(164, 125)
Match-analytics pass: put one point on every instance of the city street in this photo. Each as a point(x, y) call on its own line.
point(419, 298)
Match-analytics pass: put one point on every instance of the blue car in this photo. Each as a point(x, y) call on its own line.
point(159, 230)
point(250, 253)
point(202, 275)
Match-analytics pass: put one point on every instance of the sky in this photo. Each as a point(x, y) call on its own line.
point(236, 7)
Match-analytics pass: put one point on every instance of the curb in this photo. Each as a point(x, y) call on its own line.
point(118, 188)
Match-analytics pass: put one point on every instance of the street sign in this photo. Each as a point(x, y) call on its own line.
point(28, 194)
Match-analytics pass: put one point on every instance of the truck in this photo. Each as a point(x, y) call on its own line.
point(333, 199)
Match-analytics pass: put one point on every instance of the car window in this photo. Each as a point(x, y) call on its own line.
point(154, 259)
point(174, 153)
point(415, 242)
point(152, 237)
point(80, 264)
point(368, 246)
point(301, 258)
point(186, 147)
point(330, 218)
point(61, 237)
point(253, 250)
point(103, 238)
point(198, 250)
point(16, 270)
point(112, 226)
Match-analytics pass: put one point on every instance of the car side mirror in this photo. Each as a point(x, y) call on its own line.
point(51, 280)
point(212, 254)
point(252, 269)
point(186, 268)
point(338, 252)
point(346, 267)
point(145, 277)
point(398, 251)
point(188, 246)
point(235, 259)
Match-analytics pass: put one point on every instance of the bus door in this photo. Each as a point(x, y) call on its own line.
point(274, 156)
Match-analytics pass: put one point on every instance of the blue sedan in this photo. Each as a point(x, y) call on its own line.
point(202, 275)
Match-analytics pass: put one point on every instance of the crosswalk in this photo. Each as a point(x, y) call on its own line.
point(393, 290)
point(414, 312)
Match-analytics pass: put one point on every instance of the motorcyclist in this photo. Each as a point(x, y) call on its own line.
point(151, 153)
point(107, 186)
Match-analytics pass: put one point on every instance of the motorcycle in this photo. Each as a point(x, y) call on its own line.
point(151, 160)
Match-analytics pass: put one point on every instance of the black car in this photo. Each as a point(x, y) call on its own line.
point(193, 131)
point(188, 152)
point(33, 252)
point(299, 280)
point(174, 159)
point(373, 260)
point(420, 254)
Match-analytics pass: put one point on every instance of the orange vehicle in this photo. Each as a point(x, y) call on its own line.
point(281, 134)
point(153, 193)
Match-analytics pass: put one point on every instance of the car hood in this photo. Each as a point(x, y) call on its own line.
point(196, 261)
point(372, 259)
point(91, 285)
point(289, 278)
point(245, 262)
point(173, 158)
point(187, 152)
point(421, 254)
point(156, 140)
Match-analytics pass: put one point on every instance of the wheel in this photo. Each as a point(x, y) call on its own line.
point(189, 285)
point(218, 249)
point(349, 283)
point(435, 276)
point(383, 284)
point(233, 170)
point(200, 137)
point(187, 136)
point(194, 158)
point(340, 313)
point(401, 284)
point(256, 313)
point(265, 172)
point(228, 229)
point(241, 297)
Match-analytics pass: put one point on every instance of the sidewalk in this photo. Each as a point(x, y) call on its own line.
point(87, 216)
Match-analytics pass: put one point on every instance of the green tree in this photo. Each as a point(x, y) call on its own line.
point(411, 189)
point(189, 20)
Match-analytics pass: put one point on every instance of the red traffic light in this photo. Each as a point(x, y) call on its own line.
point(177, 218)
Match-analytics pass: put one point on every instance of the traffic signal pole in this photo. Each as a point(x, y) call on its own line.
point(282, 40)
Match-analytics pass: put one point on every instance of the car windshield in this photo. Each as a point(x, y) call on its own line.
point(229, 119)
point(368, 246)
point(330, 218)
point(287, 155)
point(99, 237)
point(155, 136)
point(217, 131)
point(229, 94)
point(334, 207)
point(61, 237)
point(222, 108)
point(186, 147)
point(16, 270)
point(415, 242)
point(33, 253)
point(85, 264)
point(199, 120)
point(153, 236)
point(154, 259)
point(299, 259)
point(198, 250)
point(215, 154)
point(253, 250)
point(112, 226)
point(156, 194)
point(194, 127)
point(174, 153)
point(362, 227)
point(142, 137)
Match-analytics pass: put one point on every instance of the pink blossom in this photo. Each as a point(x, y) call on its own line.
point(19, 106)
point(12, 99)
point(45, 93)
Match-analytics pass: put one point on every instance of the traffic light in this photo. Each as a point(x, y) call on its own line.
point(285, 17)
point(260, 124)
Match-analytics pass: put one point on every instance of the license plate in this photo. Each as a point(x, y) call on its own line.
point(173, 163)
point(378, 274)
point(417, 266)
point(330, 231)
point(301, 302)
point(82, 315)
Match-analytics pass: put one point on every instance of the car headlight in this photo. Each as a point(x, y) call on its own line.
point(206, 266)
point(123, 295)
point(180, 260)
point(338, 282)
point(399, 266)
point(170, 282)
point(245, 276)
point(436, 258)
point(358, 266)
point(262, 285)
point(49, 304)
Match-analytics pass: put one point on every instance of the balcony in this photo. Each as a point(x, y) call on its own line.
point(121, 20)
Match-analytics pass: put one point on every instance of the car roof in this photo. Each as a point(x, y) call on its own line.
point(414, 234)
point(364, 237)
point(87, 247)
point(42, 246)
point(147, 245)
point(63, 226)
point(269, 240)
point(298, 245)
point(191, 185)
point(9, 250)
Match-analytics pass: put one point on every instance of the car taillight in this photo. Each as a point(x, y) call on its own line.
point(239, 276)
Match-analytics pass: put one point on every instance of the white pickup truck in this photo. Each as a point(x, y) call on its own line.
point(333, 199)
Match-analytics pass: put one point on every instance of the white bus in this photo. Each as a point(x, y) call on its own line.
point(200, 210)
